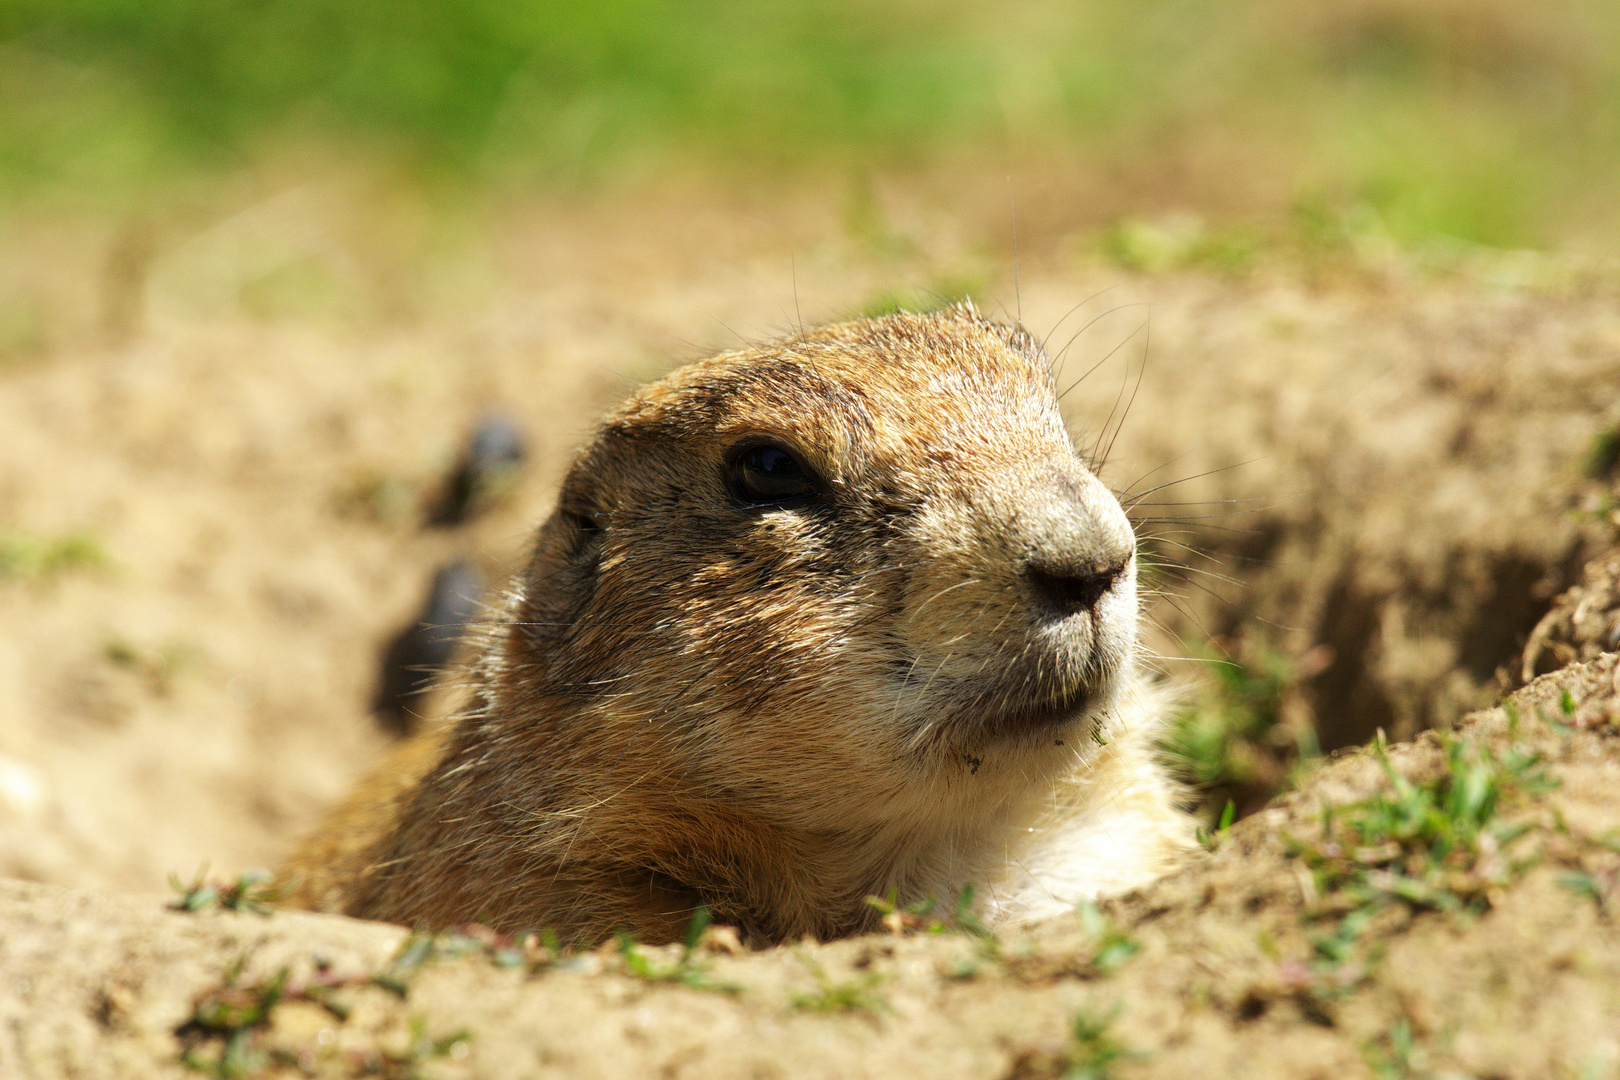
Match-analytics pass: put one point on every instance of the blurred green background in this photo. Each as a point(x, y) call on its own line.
point(1488, 121)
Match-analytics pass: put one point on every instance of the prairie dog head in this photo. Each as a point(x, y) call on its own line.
point(857, 578)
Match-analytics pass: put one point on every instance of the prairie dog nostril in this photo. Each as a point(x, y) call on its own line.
point(1074, 588)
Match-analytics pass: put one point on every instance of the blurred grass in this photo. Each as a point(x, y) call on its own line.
point(1490, 121)
point(1247, 733)
point(34, 558)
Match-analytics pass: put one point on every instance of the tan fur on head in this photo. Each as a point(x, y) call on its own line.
point(916, 674)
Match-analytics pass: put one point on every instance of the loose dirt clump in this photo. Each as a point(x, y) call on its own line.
point(1583, 623)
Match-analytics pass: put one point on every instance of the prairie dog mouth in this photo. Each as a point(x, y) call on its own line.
point(1004, 720)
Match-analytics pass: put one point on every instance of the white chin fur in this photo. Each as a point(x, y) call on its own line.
point(1111, 825)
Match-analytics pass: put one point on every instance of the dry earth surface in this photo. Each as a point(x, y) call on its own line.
point(213, 522)
point(1228, 968)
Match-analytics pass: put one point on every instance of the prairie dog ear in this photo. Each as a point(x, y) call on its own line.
point(561, 578)
point(576, 526)
point(582, 526)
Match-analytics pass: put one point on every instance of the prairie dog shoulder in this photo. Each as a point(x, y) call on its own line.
point(811, 621)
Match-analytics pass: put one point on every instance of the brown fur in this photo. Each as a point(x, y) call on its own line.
point(780, 712)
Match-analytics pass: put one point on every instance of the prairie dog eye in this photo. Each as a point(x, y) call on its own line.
point(765, 474)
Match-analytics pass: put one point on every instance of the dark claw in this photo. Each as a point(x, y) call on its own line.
point(419, 652)
point(485, 472)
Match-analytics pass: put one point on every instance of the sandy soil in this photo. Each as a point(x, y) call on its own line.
point(211, 525)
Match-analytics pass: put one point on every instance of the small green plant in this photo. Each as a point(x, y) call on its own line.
point(530, 951)
point(1095, 1051)
point(924, 917)
point(1602, 889)
point(1396, 1056)
point(160, 666)
point(45, 559)
point(1235, 741)
point(858, 995)
point(1338, 947)
point(1108, 948)
point(686, 970)
point(225, 1036)
point(252, 890)
point(1441, 844)
point(921, 917)
point(1595, 872)
point(1113, 946)
point(228, 1019)
point(1567, 718)
point(420, 1049)
point(1092, 1052)
point(1604, 453)
point(912, 917)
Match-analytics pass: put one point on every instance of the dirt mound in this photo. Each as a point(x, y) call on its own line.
point(1393, 479)
point(1446, 906)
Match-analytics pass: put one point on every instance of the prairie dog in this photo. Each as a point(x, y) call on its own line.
point(811, 622)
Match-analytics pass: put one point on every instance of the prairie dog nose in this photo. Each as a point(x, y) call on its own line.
point(1073, 589)
point(1079, 543)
